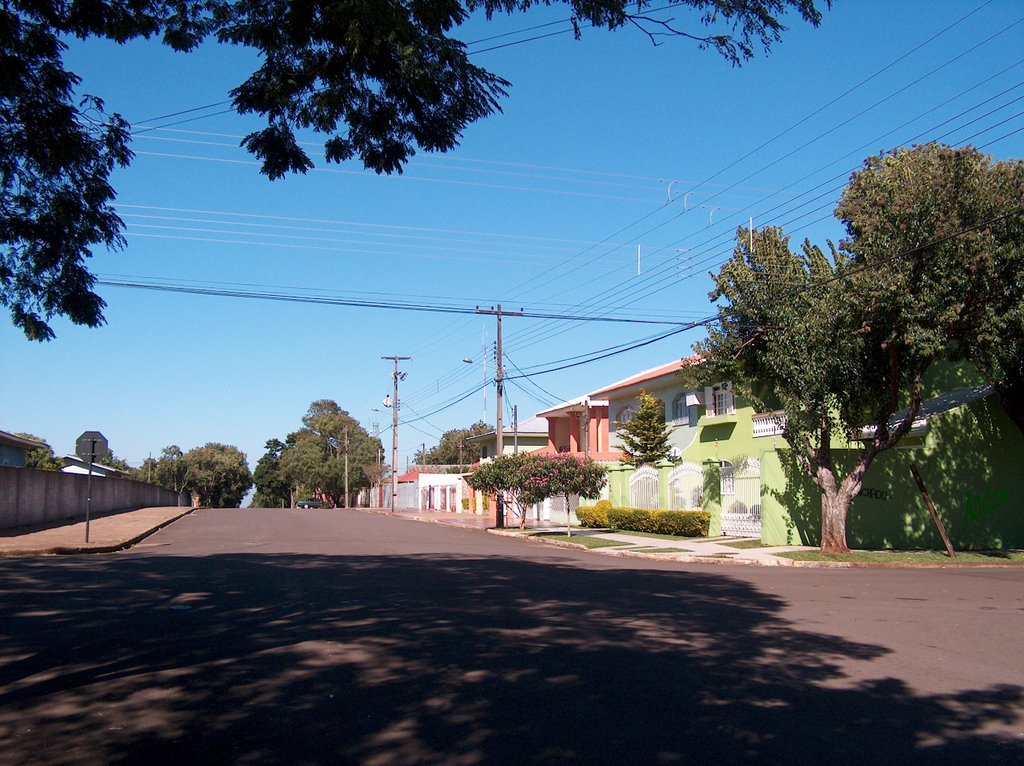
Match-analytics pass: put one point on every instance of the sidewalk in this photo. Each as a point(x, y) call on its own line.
point(109, 532)
point(118, 531)
point(707, 550)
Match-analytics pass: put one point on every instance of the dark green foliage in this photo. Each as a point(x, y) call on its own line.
point(645, 437)
point(678, 523)
point(171, 470)
point(55, 199)
point(272, 489)
point(379, 79)
point(218, 474)
point(313, 458)
point(956, 291)
point(931, 270)
point(42, 459)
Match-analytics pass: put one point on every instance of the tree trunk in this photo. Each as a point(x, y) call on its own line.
point(834, 508)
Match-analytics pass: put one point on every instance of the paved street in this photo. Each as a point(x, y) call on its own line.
point(292, 637)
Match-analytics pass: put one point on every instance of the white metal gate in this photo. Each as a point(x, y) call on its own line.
point(686, 487)
point(741, 507)
point(643, 487)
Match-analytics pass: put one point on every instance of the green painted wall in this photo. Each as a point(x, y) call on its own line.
point(972, 462)
point(971, 459)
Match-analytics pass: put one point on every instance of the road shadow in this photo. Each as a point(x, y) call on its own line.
point(294, 659)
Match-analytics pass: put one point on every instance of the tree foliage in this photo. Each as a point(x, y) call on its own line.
point(272, 489)
point(532, 477)
point(955, 289)
point(42, 458)
point(843, 341)
point(644, 437)
point(379, 79)
point(172, 470)
point(313, 458)
point(218, 474)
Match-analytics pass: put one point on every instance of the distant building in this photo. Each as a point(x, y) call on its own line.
point(529, 436)
point(75, 464)
point(14, 448)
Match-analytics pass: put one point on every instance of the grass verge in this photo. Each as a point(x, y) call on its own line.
point(585, 540)
point(744, 544)
point(654, 535)
point(910, 558)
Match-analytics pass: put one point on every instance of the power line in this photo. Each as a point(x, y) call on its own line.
point(360, 303)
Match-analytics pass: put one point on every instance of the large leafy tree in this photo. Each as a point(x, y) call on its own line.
point(843, 341)
point(314, 458)
point(380, 79)
point(168, 471)
point(172, 470)
point(645, 435)
point(944, 226)
point(272, 489)
point(218, 474)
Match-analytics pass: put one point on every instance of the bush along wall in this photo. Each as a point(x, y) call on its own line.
point(594, 516)
point(679, 523)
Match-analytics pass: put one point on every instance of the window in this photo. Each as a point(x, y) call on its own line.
point(719, 400)
point(625, 415)
point(679, 412)
point(685, 409)
point(728, 479)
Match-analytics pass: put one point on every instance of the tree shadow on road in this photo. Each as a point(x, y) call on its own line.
point(292, 659)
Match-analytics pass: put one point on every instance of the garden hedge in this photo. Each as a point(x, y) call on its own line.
point(680, 523)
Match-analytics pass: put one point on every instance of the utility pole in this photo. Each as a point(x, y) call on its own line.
point(345, 504)
point(395, 376)
point(499, 381)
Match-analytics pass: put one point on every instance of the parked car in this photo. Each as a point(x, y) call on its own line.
point(310, 502)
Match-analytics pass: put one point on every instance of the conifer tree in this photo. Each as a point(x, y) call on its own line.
point(645, 436)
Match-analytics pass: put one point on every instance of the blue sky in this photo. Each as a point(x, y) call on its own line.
point(607, 147)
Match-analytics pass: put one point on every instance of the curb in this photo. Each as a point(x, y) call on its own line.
point(688, 558)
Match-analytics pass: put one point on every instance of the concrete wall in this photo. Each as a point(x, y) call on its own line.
point(28, 496)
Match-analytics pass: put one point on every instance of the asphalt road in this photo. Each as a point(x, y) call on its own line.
point(295, 637)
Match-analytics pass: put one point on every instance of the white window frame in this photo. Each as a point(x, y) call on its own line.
point(728, 480)
point(719, 400)
point(679, 409)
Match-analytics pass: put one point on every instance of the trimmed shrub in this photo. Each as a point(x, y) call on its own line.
point(679, 523)
point(592, 516)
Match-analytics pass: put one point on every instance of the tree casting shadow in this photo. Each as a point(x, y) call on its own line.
point(292, 659)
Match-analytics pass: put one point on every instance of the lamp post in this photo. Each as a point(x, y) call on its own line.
point(393, 403)
point(483, 364)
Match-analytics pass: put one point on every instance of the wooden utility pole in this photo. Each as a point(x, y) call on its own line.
point(395, 376)
point(931, 509)
point(499, 382)
point(345, 504)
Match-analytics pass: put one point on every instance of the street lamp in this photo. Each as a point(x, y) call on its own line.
point(483, 364)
